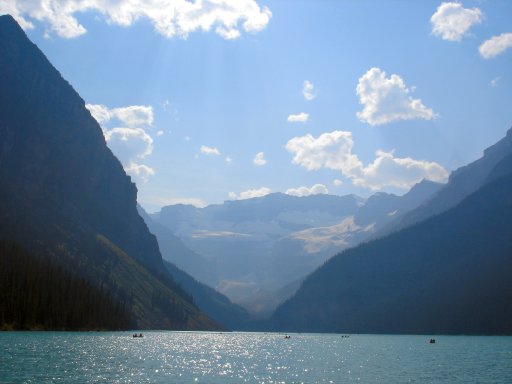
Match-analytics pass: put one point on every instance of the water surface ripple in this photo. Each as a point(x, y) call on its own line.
point(196, 357)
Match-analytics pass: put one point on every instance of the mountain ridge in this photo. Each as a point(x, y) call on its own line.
point(257, 250)
point(446, 274)
point(462, 182)
point(67, 198)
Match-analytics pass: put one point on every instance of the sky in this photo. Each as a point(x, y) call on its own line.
point(212, 100)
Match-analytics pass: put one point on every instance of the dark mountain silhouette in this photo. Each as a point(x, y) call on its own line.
point(66, 197)
point(462, 183)
point(36, 293)
point(447, 274)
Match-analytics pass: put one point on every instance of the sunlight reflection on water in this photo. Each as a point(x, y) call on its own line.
point(195, 357)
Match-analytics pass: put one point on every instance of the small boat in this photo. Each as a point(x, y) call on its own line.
point(432, 341)
point(139, 335)
point(287, 337)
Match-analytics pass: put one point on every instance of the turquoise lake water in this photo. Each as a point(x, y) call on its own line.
point(196, 357)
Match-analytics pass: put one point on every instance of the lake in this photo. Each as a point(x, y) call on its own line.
point(197, 357)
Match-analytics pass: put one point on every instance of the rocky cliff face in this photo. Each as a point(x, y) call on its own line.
point(64, 194)
point(53, 154)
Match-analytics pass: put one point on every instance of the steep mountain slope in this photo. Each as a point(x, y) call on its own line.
point(447, 274)
point(461, 184)
point(258, 250)
point(301, 252)
point(65, 195)
point(37, 294)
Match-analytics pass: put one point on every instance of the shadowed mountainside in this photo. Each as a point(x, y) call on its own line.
point(463, 182)
point(35, 293)
point(67, 198)
point(447, 274)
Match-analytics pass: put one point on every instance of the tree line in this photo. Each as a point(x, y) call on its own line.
point(37, 293)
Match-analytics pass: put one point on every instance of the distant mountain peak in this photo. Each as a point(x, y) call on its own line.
point(9, 20)
point(424, 186)
point(504, 145)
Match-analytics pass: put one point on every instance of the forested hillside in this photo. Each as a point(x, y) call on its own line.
point(36, 293)
point(447, 274)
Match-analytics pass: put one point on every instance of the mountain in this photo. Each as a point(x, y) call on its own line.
point(462, 183)
point(449, 274)
point(66, 197)
point(257, 251)
point(174, 250)
point(35, 293)
point(212, 303)
point(236, 238)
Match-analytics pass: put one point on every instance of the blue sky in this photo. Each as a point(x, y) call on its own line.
point(215, 100)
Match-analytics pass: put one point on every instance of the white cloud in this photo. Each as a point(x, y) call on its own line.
point(131, 116)
point(159, 133)
point(11, 8)
point(228, 33)
point(131, 143)
point(390, 171)
point(299, 118)
point(334, 151)
point(250, 193)
point(134, 115)
point(100, 112)
point(170, 18)
point(496, 45)
point(228, 160)
point(259, 159)
point(452, 21)
point(337, 182)
point(330, 150)
point(387, 99)
point(307, 90)
point(209, 150)
point(130, 146)
point(305, 191)
point(139, 171)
